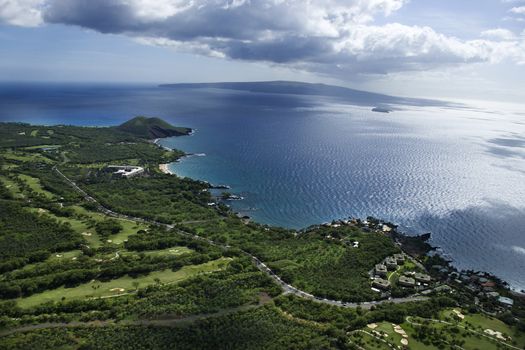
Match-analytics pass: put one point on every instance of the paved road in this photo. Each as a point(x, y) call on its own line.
point(288, 289)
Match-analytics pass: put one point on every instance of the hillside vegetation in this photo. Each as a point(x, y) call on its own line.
point(152, 128)
point(162, 265)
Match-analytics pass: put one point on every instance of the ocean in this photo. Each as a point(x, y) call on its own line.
point(455, 170)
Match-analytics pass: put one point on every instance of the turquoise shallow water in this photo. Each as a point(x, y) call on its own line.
point(300, 160)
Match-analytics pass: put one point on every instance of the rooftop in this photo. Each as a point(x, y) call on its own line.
point(506, 301)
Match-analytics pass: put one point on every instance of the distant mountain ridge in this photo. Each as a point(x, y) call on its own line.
point(152, 128)
point(300, 88)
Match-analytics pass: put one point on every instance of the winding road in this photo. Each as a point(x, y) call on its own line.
point(287, 288)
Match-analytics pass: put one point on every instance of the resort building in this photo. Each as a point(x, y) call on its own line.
point(126, 170)
point(506, 301)
point(391, 263)
point(386, 228)
point(421, 277)
point(493, 294)
point(400, 259)
point(381, 270)
point(406, 281)
point(381, 283)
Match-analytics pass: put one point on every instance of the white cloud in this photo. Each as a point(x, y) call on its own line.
point(334, 37)
point(498, 34)
point(25, 13)
point(518, 10)
point(518, 249)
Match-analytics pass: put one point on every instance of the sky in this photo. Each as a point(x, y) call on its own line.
point(461, 49)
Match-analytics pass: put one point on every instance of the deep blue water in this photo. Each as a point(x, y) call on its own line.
point(298, 160)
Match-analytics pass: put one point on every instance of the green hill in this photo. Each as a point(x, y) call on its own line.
point(152, 128)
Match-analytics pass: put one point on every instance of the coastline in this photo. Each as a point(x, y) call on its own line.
point(164, 168)
point(413, 243)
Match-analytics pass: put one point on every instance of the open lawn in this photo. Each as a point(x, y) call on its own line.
point(469, 337)
point(64, 256)
point(12, 186)
point(8, 166)
point(162, 252)
point(42, 146)
point(35, 185)
point(25, 157)
point(368, 342)
point(81, 225)
point(123, 285)
point(481, 322)
point(78, 226)
point(437, 334)
point(129, 227)
point(388, 329)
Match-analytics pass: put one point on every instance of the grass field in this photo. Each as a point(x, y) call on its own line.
point(481, 322)
point(42, 146)
point(81, 224)
point(25, 157)
point(368, 342)
point(122, 285)
point(78, 226)
point(12, 187)
point(169, 251)
point(64, 256)
point(469, 331)
point(128, 227)
point(35, 185)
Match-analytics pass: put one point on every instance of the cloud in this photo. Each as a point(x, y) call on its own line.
point(518, 249)
point(518, 10)
point(333, 37)
point(498, 34)
point(25, 13)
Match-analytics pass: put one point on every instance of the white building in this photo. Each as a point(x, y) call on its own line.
point(127, 170)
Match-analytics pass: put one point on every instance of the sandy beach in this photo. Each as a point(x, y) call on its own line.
point(165, 169)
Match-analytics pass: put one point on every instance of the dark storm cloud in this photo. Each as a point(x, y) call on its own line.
point(333, 37)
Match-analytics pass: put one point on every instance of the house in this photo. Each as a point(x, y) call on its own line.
point(380, 283)
point(473, 288)
point(493, 294)
point(391, 263)
point(406, 281)
point(381, 270)
point(443, 288)
point(400, 259)
point(454, 275)
point(488, 284)
point(506, 301)
point(422, 277)
point(387, 228)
